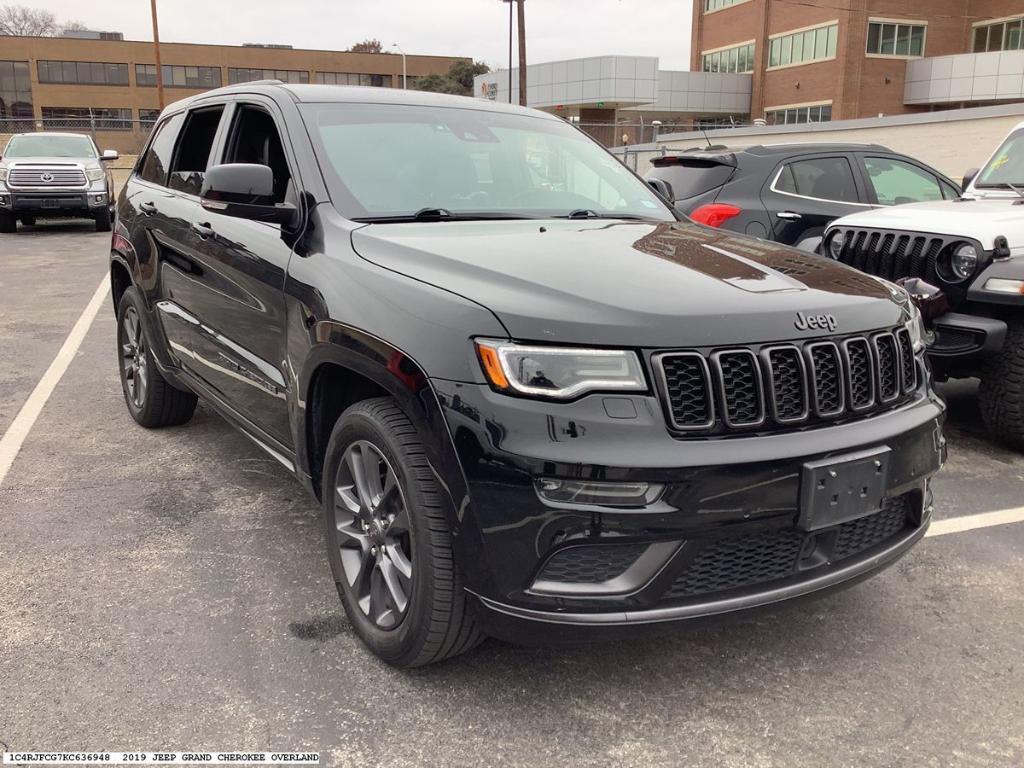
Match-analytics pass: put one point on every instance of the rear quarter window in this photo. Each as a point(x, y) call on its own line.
point(692, 177)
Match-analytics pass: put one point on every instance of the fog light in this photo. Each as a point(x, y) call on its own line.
point(603, 494)
point(3, 200)
point(100, 198)
point(1002, 285)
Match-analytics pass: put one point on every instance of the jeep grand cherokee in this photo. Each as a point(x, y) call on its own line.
point(532, 401)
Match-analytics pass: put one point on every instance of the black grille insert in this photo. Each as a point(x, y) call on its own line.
point(745, 561)
point(786, 385)
point(590, 564)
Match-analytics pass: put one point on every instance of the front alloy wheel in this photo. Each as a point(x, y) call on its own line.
point(372, 520)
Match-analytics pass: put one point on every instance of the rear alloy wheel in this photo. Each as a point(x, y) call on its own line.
point(389, 541)
point(150, 398)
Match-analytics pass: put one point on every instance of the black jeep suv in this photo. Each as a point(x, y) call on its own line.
point(532, 401)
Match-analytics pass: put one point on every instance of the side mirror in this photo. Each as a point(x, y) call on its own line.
point(663, 188)
point(245, 191)
point(968, 178)
point(109, 154)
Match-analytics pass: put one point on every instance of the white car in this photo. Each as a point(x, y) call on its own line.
point(972, 249)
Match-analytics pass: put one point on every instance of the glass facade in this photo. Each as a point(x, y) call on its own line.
point(15, 97)
point(82, 72)
point(244, 75)
point(1004, 36)
point(800, 47)
point(353, 78)
point(87, 118)
point(176, 76)
point(737, 59)
point(891, 39)
point(815, 113)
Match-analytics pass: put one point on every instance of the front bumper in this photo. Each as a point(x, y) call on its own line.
point(724, 537)
point(55, 203)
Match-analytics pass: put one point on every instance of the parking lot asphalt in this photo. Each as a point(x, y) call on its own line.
point(169, 589)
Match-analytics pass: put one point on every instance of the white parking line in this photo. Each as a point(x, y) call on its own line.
point(972, 522)
point(15, 435)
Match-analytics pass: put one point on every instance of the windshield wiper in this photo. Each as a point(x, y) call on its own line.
point(441, 214)
point(586, 213)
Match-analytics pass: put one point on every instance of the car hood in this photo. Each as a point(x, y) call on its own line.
point(637, 284)
point(979, 219)
point(89, 161)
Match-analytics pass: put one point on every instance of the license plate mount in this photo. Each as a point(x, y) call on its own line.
point(843, 488)
point(50, 203)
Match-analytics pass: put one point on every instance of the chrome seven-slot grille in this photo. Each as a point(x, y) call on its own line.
point(46, 176)
point(892, 255)
point(777, 386)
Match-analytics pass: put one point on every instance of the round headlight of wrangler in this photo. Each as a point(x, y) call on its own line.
point(964, 261)
point(835, 245)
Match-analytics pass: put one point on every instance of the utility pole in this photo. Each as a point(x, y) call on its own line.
point(156, 51)
point(522, 53)
point(509, 49)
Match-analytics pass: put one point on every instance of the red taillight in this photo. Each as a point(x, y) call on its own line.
point(715, 214)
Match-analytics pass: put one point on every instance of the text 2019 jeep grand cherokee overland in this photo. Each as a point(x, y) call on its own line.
point(533, 403)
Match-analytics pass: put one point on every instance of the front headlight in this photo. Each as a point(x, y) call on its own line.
point(558, 372)
point(3, 174)
point(835, 246)
point(94, 174)
point(964, 261)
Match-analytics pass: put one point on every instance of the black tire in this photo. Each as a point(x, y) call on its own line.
point(1001, 394)
point(28, 221)
point(151, 400)
point(8, 223)
point(102, 221)
point(437, 622)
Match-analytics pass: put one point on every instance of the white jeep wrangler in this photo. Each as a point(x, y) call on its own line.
point(972, 250)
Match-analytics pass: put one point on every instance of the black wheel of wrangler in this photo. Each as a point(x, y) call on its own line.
point(28, 221)
point(1002, 389)
point(388, 540)
point(151, 400)
point(8, 223)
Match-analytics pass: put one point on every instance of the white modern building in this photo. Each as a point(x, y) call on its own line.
point(627, 91)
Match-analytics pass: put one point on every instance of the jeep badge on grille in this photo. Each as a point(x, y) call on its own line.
point(815, 322)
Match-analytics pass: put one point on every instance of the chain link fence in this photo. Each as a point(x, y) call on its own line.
point(110, 131)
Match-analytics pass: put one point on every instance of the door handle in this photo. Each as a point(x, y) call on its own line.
point(147, 208)
point(789, 215)
point(203, 230)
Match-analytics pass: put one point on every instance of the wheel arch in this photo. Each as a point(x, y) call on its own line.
point(347, 366)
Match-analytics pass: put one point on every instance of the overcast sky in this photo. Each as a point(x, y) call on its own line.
point(556, 29)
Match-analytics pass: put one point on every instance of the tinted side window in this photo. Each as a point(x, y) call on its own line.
point(254, 139)
point(896, 182)
point(193, 152)
point(158, 157)
point(826, 178)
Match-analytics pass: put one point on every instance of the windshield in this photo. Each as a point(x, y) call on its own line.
point(45, 145)
point(1006, 167)
point(392, 160)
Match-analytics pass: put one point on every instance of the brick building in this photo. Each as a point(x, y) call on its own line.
point(818, 61)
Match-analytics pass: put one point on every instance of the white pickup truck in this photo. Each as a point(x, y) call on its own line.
point(972, 249)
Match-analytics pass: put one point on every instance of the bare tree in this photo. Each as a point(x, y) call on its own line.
point(72, 26)
point(21, 21)
point(367, 46)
